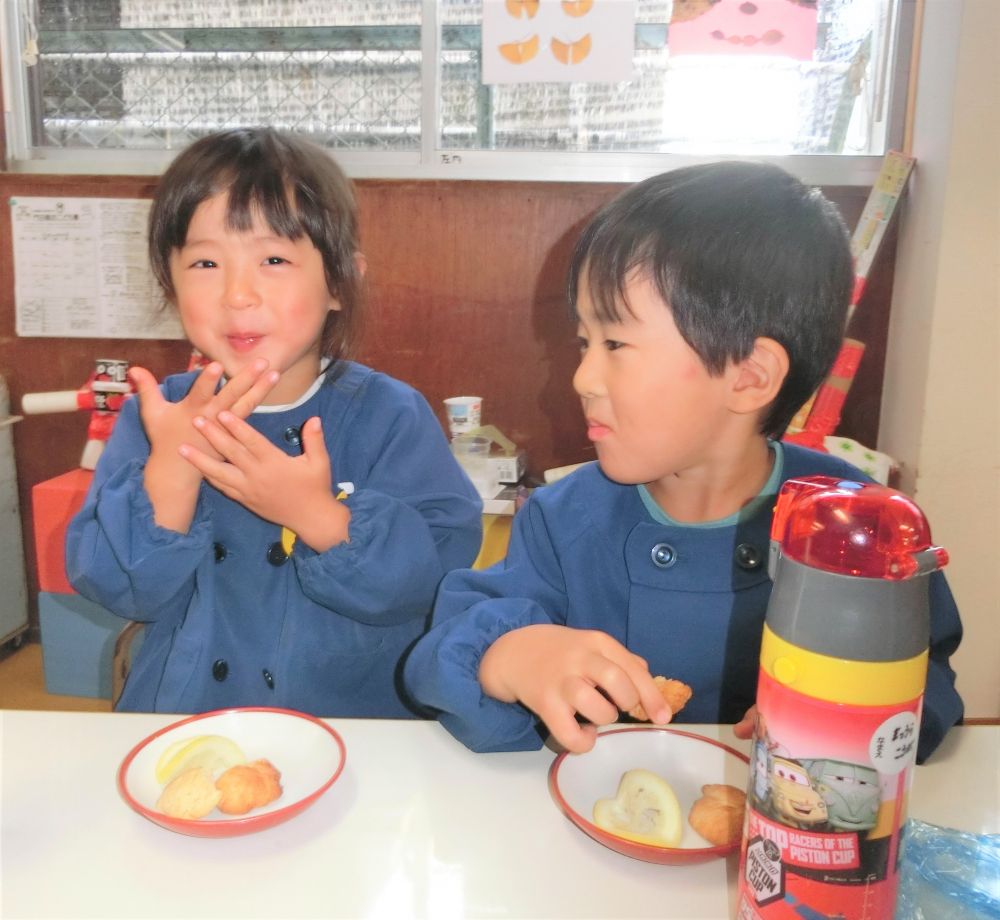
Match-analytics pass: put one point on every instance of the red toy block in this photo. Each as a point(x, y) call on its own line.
point(53, 503)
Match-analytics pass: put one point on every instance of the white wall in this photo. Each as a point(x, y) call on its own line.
point(941, 402)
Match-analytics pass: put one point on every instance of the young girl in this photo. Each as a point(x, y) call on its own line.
point(279, 521)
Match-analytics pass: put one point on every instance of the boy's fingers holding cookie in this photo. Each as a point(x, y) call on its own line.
point(666, 692)
point(651, 706)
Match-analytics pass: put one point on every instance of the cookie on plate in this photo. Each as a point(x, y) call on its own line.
point(191, 794)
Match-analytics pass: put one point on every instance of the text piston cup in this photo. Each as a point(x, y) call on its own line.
point(843, 666)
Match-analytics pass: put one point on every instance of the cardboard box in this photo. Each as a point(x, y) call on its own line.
point(78, 644)
point(53, 504)
point(507, 470)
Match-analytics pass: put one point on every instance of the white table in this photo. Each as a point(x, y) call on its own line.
point(417, 826)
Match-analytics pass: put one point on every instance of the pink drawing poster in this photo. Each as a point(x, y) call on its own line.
point(780, 28)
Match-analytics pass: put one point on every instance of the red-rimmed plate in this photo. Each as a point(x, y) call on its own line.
point(309, 754)
point(685, 760)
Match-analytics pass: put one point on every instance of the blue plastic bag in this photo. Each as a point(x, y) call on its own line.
point(947, 873)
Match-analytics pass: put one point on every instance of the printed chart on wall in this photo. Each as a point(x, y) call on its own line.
point(558, 41)
point(81, 270)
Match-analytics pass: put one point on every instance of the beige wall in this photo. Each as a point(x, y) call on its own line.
point(941, 402)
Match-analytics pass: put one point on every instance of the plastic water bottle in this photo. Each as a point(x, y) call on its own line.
point(843, 666)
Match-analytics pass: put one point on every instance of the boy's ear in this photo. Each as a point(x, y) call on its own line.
point(759, 376)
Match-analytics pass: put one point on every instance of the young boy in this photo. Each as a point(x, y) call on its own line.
point(711, 302)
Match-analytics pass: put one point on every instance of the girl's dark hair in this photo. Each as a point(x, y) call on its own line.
point(736, 250)
point(296, 188)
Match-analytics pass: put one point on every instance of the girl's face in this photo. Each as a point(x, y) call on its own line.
point(252, 294)
point(653, 410)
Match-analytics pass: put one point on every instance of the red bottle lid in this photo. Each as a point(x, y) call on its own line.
point(854, 528)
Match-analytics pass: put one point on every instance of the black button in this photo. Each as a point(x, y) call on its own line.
point(293, 436)
point(220, 669)
point(663, 555)
point(748, 557)
point(276, 554)
point(268, 678)
point(220, 552)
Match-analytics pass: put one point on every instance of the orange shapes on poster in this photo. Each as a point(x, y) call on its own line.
point(522, 8)
point(520, 52)
point(577, 8)
point(571, 52)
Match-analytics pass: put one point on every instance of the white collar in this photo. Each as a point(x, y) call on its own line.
point(305, 397)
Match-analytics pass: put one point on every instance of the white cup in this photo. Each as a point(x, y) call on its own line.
point(464, 413)
point(473, 453)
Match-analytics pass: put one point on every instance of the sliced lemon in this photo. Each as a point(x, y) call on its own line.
point(213, 752)
point(168, 755)
point(645, 810)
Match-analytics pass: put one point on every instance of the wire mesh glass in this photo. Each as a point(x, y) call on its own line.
point(156, 74)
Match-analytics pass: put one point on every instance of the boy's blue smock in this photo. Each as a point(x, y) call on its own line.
point(230, 619)
point(582, 554)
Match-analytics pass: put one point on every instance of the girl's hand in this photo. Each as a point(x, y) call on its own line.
point(168, 424)
point(172, 483)
point(559, 672)
point(294, 492)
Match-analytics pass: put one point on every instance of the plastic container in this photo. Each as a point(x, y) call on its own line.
point(473, 453)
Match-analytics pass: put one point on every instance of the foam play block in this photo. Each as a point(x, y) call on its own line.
point(53, 504)
point(78, 643)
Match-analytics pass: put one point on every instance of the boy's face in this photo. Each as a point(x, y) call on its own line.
point(653, 410)
point(253, 294)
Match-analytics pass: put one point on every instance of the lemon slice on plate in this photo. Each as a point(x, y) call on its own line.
point(645, 810)
point(213, 752)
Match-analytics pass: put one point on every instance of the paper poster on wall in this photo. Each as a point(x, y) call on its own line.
point(81, 270)
point(779, 28)
point(558, 41)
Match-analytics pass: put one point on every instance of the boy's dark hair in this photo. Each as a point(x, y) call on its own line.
point(736, 250)
point(296, 188)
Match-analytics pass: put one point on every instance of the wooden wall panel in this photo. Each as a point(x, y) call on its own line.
point(466, 287)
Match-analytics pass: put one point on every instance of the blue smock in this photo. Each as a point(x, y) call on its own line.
point(690, 599)
point(231, 619)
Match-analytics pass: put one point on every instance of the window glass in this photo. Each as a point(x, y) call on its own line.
point(722, 101)
point(159, 73)
point(152, 75)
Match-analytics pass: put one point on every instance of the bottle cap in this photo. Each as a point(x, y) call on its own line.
point(854, 528)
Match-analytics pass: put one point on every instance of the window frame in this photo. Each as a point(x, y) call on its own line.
point(431, 162)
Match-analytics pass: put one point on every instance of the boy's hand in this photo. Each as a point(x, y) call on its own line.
point(744, 728)
point(170, 482)
point(292, 491)
point(559, 672)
